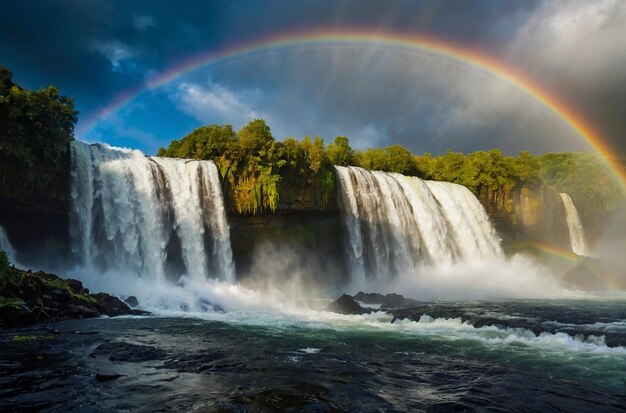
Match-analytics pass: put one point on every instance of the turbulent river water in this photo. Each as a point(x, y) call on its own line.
point(522, 355)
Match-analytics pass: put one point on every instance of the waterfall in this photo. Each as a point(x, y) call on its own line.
point(156, 218)
point(6, 246)
point(577, 239)
point(395, 223)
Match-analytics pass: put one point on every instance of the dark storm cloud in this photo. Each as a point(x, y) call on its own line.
point(94, 50)
point(377, 98)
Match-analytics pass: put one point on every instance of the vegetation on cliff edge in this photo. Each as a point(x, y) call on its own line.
point(36, 126)
point(260, 171)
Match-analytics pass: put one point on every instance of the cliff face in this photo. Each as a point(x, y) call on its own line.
point(306, 243)
point(528, 214)
point(34, 209)
point(35, 203)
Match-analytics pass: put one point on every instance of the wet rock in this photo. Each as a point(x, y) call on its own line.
point(80, 311)
point(347, 305)
point(132, 301)
point(391, 300)
point(413, 313)
point(27, 297)
point(76, 285)
point(127, 352)
point(15, 312)
point(111, 305)
point(398, 301)
point(102, 377)
point(134, 311)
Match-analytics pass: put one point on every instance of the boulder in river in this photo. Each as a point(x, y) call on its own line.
point(391, 300)
point(347, 305)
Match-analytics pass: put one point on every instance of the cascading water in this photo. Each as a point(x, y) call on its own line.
point(577, 239)
point(396, 224)
point(6, 246)
point(154, 218)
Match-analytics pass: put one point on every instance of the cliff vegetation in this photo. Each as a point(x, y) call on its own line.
point(263, 174)
point(36, 127)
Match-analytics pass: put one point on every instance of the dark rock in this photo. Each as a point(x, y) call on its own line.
point(27, 297)
point(47, 276)
point(132, 301)
point(370, 298)
point(138, 312)
point(75, 285)
point(347, 305)
point(59, 294)
point(15, 312)
point(398, 301)
point(79, 311)
point(102, 377)
point(127, 352)
point(411, 313)
point(391, 300)
point(111, 305)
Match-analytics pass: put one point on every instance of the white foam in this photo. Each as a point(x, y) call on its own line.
point(310, 350)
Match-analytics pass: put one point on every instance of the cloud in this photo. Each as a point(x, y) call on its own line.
point(375, 96)
point(214, 103)
point(116, 52)
point(142, 23)
point(583, 40)
point(577, 49)
point(380, 96)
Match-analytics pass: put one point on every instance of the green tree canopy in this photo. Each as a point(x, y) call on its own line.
point(35, 126)
point(260, 171)
point(340, 153)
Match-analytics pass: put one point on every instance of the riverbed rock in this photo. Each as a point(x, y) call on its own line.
point(128, 352)
point(387, 301)
point(111, 305)
point(102, 377)
point(132, 301)
point(347, 305)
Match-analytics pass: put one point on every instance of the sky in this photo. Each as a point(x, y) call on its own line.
point(96, 51)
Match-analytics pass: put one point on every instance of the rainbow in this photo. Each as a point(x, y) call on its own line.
point(571, 260)
point(562, 254)
point(384, 39)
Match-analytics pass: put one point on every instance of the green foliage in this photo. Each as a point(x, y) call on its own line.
point(584, 176)
point(35, 126)
point(22, 338)
point(479, 170)
point(340, 153)
point(260, 172)
point(390, 159)
point(206, 142)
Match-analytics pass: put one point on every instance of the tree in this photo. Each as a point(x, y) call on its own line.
point(255, 137)
point(35, 126)
point(340, 153)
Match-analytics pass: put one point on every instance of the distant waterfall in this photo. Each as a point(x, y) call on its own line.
point(395, 223)
point(577, 239)
point(5, 245)
point(149, 216)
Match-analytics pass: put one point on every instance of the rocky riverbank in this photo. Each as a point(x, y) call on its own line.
point(29, 297)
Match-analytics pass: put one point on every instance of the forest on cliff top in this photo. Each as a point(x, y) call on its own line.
point(259, 170)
